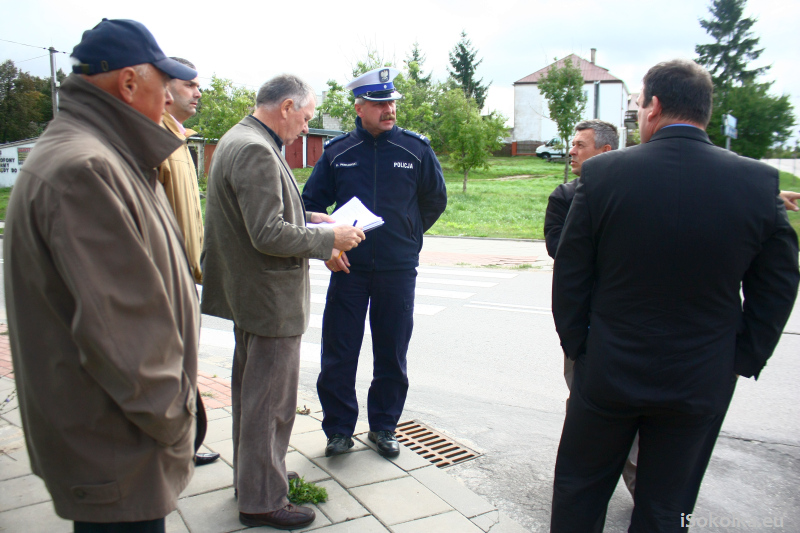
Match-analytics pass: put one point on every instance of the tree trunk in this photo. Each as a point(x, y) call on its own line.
point(466, 171)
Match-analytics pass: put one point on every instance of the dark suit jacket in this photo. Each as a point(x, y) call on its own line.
point(656, 246)
point(556, 214)
point(257, 245)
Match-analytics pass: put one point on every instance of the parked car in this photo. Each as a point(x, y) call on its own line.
point(550, 149)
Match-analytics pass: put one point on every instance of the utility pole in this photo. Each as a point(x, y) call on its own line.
point(53, 80)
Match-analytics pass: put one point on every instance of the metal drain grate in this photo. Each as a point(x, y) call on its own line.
point(432, 445)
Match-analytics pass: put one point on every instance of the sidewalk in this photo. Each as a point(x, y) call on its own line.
point(366, 492)
point(480, 252)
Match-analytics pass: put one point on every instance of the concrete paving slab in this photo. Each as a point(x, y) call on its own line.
point(13, 416)
point(224, 448)
point(305, 469)
point(507, 525)
point(487, 520)
point(15, 464)
point(39, 518)
point(219, 429)
point(22, 491)
point(452, 522)
point(400, 500)
point(310, 403)
point(174, 523)
point(452, 491)
point(313, 444)
point(341, 506)
point(407, 460)
point(359, 468)
point(305, 424)
point(212, 512)
point(368, 524)
point(7, 385)
point(215, 476)
point(215, 414)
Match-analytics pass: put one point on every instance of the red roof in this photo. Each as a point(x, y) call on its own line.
point(589, 71)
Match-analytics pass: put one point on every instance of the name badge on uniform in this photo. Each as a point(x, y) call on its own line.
point(403, 164)
point(344, 164)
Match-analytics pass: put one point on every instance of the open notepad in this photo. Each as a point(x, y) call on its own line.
point(350, 214)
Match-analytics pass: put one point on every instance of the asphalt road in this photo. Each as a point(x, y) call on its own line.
point(486, 369)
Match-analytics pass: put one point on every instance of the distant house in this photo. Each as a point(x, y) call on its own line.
point(607, 98)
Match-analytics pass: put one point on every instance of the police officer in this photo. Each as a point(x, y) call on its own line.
point(395, 174)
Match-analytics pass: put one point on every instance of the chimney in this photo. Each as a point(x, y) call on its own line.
point(594, 52)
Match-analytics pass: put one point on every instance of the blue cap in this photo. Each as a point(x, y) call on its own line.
point(376, 85)
point(116, 44)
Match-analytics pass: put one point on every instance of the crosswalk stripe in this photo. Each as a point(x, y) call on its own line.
point(460, 282)
point(466, 273)
point(438, 293)
point(497, 308)
point(512, 305)
point(309, 351)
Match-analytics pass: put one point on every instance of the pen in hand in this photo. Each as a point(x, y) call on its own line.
point(340, 253)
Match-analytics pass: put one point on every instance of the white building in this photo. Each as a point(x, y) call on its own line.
point(12, 155)
point(606, 99)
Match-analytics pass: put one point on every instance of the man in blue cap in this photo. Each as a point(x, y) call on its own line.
point(395, 173)
point(102, 308)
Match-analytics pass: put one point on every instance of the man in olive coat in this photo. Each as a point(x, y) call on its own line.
point(255, 273)
point(102, 310)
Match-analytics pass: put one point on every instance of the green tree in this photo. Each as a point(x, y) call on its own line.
point(763, 119)
point(462, 75)
point(466, 136)
point(25, 103)
point(727, 58)
point(563, 89)
point(416, 110)
point(224, 105)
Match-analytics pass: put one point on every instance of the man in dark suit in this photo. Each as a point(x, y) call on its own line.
point(658, 242)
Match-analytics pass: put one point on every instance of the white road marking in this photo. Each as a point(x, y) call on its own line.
point(466, 273)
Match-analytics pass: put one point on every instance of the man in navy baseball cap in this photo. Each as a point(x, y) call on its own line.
point(119, 43)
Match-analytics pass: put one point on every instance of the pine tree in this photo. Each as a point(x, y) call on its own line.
point(735, 46)
point(413, 64)
point(462, 76)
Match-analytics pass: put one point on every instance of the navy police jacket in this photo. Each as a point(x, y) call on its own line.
point(396, 176)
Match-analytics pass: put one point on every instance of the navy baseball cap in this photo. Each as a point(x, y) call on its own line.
point(119, 43)
point(376, 85)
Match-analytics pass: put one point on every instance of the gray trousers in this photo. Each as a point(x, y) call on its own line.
point(264, 396)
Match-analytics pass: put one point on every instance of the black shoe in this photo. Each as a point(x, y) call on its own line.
point(201, 459)
point(386, 443)
point(338, 444)
point(289, 517)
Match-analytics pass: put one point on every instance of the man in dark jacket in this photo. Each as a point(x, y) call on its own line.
point(658, 242)
point(396, 175)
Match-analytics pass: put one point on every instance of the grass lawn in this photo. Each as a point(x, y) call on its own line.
point(790, 182)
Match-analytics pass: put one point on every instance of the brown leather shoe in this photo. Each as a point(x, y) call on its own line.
point(290, 517)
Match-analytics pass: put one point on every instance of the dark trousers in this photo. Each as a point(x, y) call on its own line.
point(390, 298)
point(674, 450)
point(148, 526)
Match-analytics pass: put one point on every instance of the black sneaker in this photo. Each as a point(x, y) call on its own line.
point(338, 444)
point(386, 443)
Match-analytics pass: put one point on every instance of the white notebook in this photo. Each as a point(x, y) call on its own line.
point(353, 213)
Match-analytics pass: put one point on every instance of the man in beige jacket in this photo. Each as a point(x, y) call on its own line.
point(255, 270)
point(177, 174)
point(102, 310)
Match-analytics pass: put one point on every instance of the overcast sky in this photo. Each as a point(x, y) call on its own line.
point(249, 41)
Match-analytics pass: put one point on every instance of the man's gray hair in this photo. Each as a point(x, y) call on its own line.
point(604, 132)
point(184, 62)
point(284, 87)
